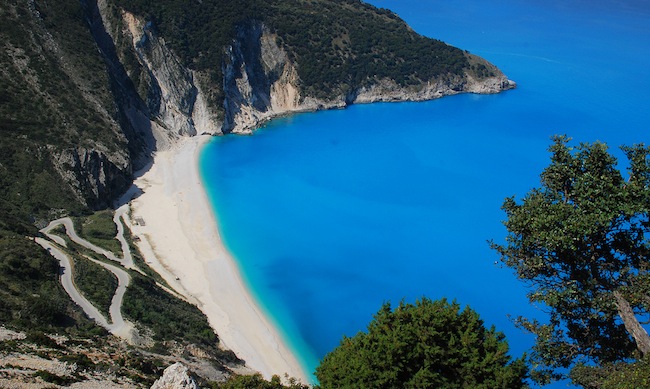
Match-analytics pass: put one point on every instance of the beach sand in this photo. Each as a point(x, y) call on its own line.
point(179, 239)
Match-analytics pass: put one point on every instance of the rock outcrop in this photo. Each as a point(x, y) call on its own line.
point(163, 91)
point(95, 176)
point(176, 376)
point(260, 81)
point(173, 97)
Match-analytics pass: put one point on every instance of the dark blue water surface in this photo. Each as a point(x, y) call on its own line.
point(330, 214)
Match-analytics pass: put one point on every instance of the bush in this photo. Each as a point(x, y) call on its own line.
point(96, 283)
point(39, 338)
point(432, 344)
point(100, 229)
point(82, 360)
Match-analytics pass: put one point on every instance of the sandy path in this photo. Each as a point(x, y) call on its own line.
point(178, 237)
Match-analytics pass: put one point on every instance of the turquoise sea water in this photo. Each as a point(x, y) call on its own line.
point(330, 214)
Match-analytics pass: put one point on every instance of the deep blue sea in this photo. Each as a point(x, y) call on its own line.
point(331, 214)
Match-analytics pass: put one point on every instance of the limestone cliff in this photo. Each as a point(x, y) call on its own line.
point(260, 81)
point(174, 103)
point(174, 98)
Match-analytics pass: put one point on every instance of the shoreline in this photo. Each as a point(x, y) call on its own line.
point(179, 239)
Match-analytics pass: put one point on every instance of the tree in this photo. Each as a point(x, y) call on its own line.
point(581, 243)
point(432, 344)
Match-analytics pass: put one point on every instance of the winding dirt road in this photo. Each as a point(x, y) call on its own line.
point(117, 326)
point(68, 284)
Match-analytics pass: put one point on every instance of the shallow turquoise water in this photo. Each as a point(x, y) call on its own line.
point(332, 213)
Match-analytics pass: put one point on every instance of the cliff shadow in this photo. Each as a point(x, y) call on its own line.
point(244, 63)
point(132, 113)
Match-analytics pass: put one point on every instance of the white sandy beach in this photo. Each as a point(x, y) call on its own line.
point(179, 239)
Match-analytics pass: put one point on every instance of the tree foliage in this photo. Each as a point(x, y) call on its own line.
point(619, 375)
point(432, 344)
point(581, 242)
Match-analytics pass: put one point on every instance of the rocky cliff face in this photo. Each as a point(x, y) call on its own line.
point(164, 99)
point(174, 98)
point(260, 81)
point(387, 90)
point(95, 176)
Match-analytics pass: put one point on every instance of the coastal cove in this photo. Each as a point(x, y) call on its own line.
point(330, 214)
point(270, 174)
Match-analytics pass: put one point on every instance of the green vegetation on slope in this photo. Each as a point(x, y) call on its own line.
point(96, 283)
point(55, 81)
point(30, 187)
point(31, 295)
point(168, 317)
point(99, 229)
point(342, 44)
point(54, 97)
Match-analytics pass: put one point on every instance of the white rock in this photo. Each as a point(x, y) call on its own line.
point(176, 376)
